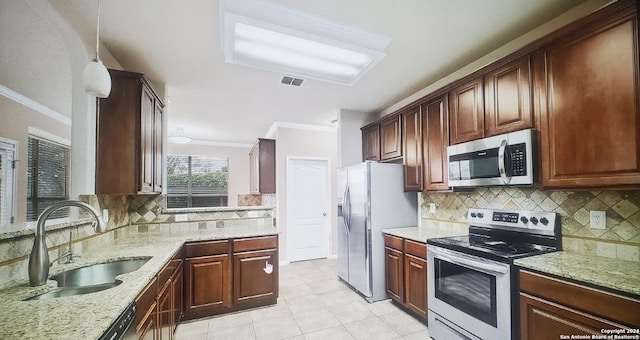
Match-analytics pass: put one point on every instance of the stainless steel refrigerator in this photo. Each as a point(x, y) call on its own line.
point(371, 197)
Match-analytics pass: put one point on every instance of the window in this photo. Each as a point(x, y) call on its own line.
point(47, 177)
point(8, 150)
point(197, 181)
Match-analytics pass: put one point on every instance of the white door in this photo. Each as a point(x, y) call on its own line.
point(308, 208)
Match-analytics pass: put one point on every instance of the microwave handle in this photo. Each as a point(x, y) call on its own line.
point(506, 178)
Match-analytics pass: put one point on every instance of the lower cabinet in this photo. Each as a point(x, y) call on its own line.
point(229, 275)
point(551, 308)
point(255, 271)
point(406, 273)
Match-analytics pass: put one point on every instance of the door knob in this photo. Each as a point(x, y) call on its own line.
point(324, 214)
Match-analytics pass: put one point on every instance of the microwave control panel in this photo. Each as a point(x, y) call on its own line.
point(518, 159)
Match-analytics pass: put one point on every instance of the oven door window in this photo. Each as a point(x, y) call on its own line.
point(467, 290)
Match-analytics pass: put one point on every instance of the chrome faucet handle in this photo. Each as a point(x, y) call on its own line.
point(71, 256)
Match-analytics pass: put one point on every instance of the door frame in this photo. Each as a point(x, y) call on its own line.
point(327, 234)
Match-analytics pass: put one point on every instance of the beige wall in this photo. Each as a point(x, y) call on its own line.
point(304, 143)
point(41, 59)
point(238, 164)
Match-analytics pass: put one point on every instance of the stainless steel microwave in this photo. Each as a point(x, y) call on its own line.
point(498, 160)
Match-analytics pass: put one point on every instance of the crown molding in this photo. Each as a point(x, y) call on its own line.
point(34, 105)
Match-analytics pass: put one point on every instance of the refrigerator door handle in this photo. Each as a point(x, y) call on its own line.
point(347, 212)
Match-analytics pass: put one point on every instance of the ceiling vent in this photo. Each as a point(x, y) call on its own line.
point(288, 80)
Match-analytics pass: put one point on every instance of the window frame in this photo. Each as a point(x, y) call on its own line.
point(9, 145)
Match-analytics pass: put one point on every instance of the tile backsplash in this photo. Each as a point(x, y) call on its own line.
point(620, 239)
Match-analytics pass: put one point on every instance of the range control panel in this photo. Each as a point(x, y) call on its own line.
point(533, 221)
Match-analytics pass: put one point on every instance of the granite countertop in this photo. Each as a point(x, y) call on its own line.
point(421, 234)
point(612, 274)
point(88, 316)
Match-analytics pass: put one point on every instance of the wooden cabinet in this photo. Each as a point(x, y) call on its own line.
point(147, 311)
point(466, 113)
point(551, 307)
point(255, 270)
point(507, 97)
point(129, 137)
point(228, 275)
point(588, 85)
point(412, 143)
point(415, 277)
point(435, 134)
point(262, 167)
point(165, 312)
point(394, 267)
point(371, 143)
point(207, 277)
point(406, 273)
point(391, 138)
point(177, 284)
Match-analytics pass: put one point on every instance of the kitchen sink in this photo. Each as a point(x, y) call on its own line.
point(91, 279)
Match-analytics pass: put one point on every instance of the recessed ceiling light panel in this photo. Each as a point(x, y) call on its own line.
point(265, 36)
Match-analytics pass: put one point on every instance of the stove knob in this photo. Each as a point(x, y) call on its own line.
point(473, 215)
point(544, 221)
point(534, 220)
point(524, 219)
point(480, 215)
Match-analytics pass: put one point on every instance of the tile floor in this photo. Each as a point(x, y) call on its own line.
point(313, 304)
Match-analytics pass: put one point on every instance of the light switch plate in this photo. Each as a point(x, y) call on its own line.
point(182, 218)
point(105, 215)
point(432, 208)
point(598, 219)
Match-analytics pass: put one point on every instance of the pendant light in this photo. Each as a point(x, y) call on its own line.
point(95, 76)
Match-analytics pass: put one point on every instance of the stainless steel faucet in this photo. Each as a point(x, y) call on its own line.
point(39, 259)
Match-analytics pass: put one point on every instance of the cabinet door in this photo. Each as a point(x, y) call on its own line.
point(371, 143)
point(255, 276)
point(588, 88)
point(507, 93)
point(267, 166)
point(391, 138)
point(157, 148)
point(412, 143)
point(415, 269)
point(394, 274)
point(435, 130)
point(176, 305)
point(207, 283)
point(146, 141)
point(467, 112)
point(165, 313)
point(542, 319)
point(146, 328)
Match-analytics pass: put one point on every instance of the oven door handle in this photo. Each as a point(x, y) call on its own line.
point(506, 178)
point(468, 262)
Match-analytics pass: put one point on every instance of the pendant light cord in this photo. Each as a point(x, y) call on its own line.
point(98, 32)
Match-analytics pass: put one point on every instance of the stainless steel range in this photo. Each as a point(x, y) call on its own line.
point(472, 279)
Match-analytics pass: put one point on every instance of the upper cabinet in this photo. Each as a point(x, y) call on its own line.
point(435, 139)
point(507, 97)
point(262, 167)
point(587, 84)
point(129, 137)
point(467, 112)
point(371, 142)
point(412, 144)
point(390, 138)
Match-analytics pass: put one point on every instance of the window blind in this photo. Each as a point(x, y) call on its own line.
point(47, 177)
point(197, 181)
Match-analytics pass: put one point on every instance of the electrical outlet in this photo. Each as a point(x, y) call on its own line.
point(432, 208)
point(598, 219)
point(182, 218)
point(105, 215)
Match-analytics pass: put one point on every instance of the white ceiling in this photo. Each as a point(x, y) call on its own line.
point(176, 43)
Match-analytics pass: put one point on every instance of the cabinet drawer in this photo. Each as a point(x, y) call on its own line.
point(393, 242)
point(256, 243)
point(415, 248)
point(206, 248)
point(611, 306)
